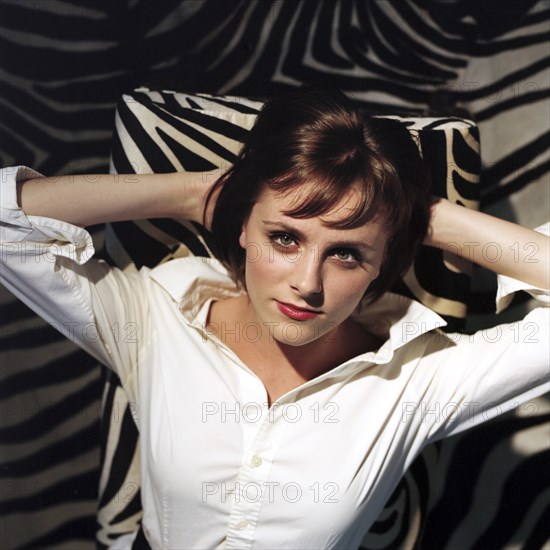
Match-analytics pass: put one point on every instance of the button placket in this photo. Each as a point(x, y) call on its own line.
point(256, 461)
point(243, 524)
point(251, 483)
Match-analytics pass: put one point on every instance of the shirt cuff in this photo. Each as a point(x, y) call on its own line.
point(10, 210)
point(31, 235)
point(507, 286)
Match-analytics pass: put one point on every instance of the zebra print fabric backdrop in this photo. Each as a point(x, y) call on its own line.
point(64, 66)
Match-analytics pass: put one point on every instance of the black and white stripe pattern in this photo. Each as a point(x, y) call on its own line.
point(65, 64)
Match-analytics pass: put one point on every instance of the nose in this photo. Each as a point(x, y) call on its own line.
point(306, 276)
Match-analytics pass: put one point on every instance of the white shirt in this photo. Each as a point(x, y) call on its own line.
point(220, 469)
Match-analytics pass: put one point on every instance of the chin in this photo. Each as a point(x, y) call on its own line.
point(300, 334)
point(294, 344)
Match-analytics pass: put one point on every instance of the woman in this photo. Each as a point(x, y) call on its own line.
point(280, 392)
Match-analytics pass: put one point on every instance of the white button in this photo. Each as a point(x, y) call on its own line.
point(243, 524)
point(256, 461)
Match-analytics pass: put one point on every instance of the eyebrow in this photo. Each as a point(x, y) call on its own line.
point(282, 226)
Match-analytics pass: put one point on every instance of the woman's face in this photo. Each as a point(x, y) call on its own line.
point(303, 277)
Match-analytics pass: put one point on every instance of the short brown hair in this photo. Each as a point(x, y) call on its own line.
point(319, 136)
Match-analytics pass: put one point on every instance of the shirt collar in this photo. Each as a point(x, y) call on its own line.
point(395, 319)
point(192, 281)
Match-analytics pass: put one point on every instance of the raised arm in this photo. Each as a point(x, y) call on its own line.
point(89, 199)
point(498, 245)
point(46, 255)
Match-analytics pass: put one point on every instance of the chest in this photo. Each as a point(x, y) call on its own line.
point(278, 382)
point(275, 379)
point(214, 451)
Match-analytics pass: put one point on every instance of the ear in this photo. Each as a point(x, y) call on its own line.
point(242, 236)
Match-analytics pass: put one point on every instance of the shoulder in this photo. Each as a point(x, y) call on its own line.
point(190, 281)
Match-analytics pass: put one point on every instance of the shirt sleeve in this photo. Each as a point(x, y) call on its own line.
point(466, 379)
point(507, 286)
point(48, 264)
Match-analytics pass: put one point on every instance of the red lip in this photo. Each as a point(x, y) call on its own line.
point(297, 313)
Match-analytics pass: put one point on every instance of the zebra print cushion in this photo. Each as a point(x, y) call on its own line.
point(169, 131)
point(163, 131)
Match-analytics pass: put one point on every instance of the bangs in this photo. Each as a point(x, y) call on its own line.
point(317, 196)
point(339, 169)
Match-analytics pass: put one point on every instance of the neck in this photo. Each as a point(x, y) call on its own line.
point(306, 361)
